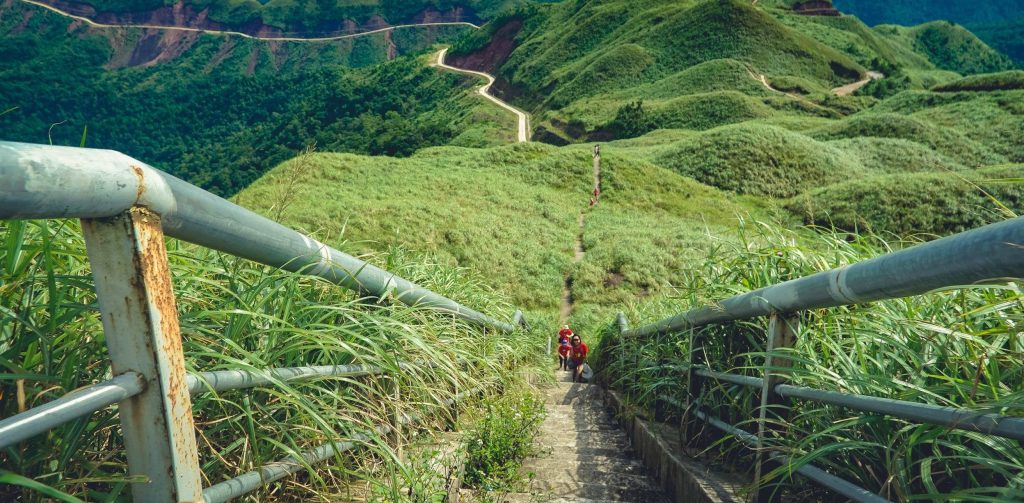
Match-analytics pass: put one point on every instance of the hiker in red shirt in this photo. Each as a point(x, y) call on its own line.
point(563, 347)
point(577, 357)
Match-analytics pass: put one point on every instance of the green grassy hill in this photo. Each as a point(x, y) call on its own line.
point(577, 64)
point(997, 22)
point(510, 211)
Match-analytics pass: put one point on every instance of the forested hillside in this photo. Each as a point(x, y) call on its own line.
point(226, 109)
point(307, 17)
point(1000, 23)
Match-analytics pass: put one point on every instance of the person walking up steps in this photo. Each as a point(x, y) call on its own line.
point(564, 335)
point(577, 358)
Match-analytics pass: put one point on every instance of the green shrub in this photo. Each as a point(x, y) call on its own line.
point(497, 445)
point(631, 121)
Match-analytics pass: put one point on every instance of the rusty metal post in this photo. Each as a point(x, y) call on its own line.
point(782, 330)
point(696, 359)
point(140, 323)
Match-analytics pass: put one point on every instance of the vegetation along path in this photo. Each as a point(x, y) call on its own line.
point(585, 455)
point(523, 131)
point(565, 310)
point(94, 24)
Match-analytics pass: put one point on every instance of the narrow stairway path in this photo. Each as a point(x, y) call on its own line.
point(95, 24)
point(585, 455)
point(565, 309)
point(522, 131)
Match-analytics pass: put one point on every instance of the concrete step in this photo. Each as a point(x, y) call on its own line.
point(577, 440)
point(574, 489)
point(597, 454)
point(540, 498)
point(550, 469)
point(597, 426)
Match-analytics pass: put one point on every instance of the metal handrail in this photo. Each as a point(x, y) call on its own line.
point(71, 406)
point(989, 254)
point(223, 380)
point(951, 417)
point(42, 181)
point(252, 480)
point(126, 208)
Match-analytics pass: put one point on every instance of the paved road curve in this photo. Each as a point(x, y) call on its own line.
point(524, 120)
point(94, 24)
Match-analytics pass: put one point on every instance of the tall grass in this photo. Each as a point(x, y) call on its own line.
point(238, 315)
point(959, 347)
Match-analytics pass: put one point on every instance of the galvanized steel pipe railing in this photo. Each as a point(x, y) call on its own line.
point(71, 406)
point(950, 417)
point(984, 255)
point(43, 181)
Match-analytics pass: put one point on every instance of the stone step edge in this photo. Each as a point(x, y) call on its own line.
point(681, 482)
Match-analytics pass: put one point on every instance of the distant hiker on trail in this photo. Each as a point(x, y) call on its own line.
point(577, 358)
point(564, 335)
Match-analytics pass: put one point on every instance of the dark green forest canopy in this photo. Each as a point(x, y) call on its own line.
point(911, 12)
point(216, 125)
point(314, 14)
point(1000, 23)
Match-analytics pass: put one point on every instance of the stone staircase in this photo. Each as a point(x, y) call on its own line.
point(584, 454)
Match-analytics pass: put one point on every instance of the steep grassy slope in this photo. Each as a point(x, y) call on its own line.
point(512, 212)
point(949, 47)
point(940, 203)
point(610, 45)
point(577, 63)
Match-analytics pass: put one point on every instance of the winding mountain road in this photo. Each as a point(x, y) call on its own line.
point(524, 120)
point(94, 24)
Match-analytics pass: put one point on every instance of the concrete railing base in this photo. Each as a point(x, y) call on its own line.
point(684, 480)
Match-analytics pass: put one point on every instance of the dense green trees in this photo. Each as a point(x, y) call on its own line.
point(997, 22)
point(312, 15)
point(220, 128)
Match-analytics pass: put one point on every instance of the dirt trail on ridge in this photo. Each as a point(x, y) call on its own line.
point(566, 307)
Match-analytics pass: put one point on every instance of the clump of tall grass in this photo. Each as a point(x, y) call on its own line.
point(238, 315)
point(959, 347)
